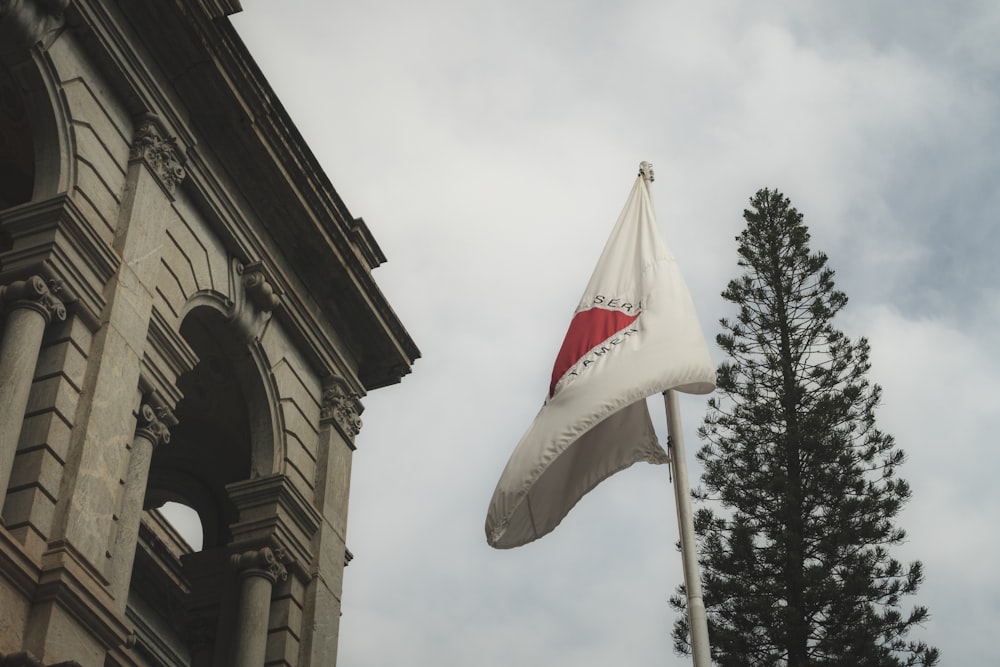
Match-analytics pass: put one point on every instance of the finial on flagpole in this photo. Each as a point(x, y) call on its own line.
point(646, 171)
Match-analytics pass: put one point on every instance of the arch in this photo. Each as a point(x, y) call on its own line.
point(267, 440)
point(31, 87)
point(227, 424)
point(174, 484)
point(17, 151)
point(186, 521)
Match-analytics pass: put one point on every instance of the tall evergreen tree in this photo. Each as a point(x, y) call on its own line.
point(800, 488)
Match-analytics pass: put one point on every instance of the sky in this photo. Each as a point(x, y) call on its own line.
point(490, 146)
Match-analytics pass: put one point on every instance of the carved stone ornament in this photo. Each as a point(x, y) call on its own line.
point(260, 287)
point(263, 562)
point(154, 421)
point(160, 152)
point(28, 21)
point(36, 294)
point(343, 408)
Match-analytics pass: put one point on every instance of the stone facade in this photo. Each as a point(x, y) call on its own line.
point(187, 314)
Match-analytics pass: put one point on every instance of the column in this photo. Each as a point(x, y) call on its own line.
point(152, 430)
point(340, 422)
point(259, 569)
point(30, 306)
point(105, 415)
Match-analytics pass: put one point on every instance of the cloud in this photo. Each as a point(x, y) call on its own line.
point(490, 148)
point(940, 383)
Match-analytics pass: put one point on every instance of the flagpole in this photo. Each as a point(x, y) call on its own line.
point(697, 619)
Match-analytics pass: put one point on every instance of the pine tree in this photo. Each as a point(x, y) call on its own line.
point(799, 492)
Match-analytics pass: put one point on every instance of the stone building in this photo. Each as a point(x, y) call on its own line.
point(187, 314)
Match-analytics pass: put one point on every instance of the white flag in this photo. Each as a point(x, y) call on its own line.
point(634, 334)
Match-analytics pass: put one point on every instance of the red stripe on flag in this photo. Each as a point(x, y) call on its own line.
point(588, 329)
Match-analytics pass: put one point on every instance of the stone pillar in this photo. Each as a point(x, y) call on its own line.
point(105, 417)
point(340, 422)
point(30, 306)
point(259, 570)
point(152, 430)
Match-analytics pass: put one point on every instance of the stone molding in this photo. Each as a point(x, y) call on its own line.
point(305, 221)
point(25, 659)
point(219, 8)
point(17, 568)
point(53, 238)
point(365, 245)
point(273, 511)
point(342, 407)
point(36, 294)
point(68, 579)
point(264, 562)
point(159, 151)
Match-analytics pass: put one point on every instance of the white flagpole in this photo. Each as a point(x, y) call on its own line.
point(697, 620)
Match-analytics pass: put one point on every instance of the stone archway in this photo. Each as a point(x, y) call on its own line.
point(35, 134)
point(223, 435)
point(211, 444)
point(225, 426)
point(17, 153)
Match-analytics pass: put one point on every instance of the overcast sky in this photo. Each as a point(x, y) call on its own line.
point(490, 147)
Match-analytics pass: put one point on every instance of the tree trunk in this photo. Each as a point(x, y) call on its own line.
point(798, 626)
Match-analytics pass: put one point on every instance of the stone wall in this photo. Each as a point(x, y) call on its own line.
point(188, 314)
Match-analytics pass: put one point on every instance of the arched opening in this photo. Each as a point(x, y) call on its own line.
point(213, 443)
point(223, 434)
point(185, 521)
point(17, 151)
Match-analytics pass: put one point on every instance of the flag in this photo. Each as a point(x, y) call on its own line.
point(635, 333)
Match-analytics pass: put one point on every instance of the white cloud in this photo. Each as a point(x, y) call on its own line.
point(490, 148)
point(940, 385)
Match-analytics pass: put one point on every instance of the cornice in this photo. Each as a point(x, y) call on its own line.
point(109, 39)
point(347, 237)
point(54, 238)
point(217, 91)
point(365, 244)
point(16, 566)
point(220, 8)
point(273, 512)
point(68, 579)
